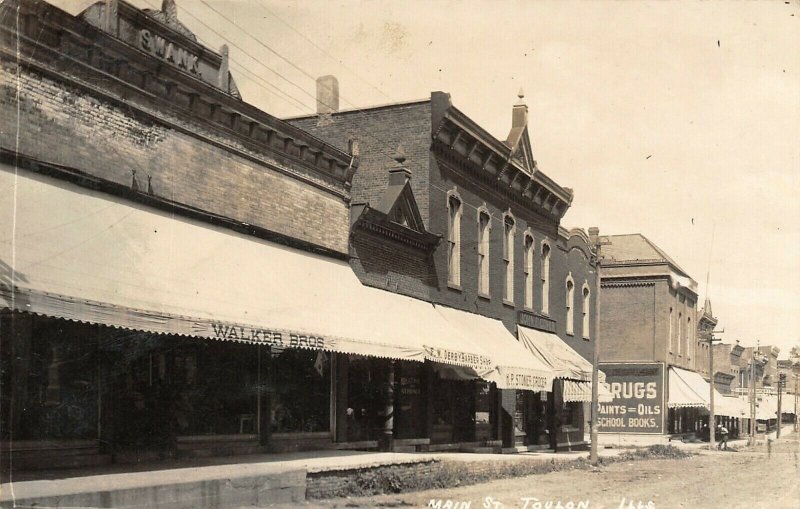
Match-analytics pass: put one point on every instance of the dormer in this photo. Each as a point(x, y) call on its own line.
point(396, 214)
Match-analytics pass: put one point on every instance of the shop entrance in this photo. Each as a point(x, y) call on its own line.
point(534, 421)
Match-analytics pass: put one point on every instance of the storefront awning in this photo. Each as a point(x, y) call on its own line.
point(73, 253)
point(555, 353)
point(690, 389)
point(687, 389)
point(582, 391)
point(516, 367)
point(730, 406)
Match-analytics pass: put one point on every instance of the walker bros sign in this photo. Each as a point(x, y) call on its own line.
point(267, 337)
point(638, 404)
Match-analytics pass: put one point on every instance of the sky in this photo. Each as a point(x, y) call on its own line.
point(677, 120)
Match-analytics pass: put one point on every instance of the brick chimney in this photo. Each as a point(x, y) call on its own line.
point(327, 95)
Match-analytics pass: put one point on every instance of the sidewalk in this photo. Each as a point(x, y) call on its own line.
point(244, 480)
point(219, 482)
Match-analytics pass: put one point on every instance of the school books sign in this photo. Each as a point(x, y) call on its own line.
point(638, 399)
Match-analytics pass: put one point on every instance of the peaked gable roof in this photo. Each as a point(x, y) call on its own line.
point(396, 214)
point(636, 247)
point(520, 143)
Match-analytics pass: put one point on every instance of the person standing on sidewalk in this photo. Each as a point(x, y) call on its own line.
point(722, 431)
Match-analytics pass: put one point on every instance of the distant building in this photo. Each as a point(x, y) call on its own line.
point(649, 325)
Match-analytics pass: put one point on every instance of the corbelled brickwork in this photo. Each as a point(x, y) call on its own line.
point(187, 165)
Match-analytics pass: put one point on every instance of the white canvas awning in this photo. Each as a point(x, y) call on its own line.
point(559, 356)
point(73, 253)
point(582, 391)
point(690, 389)
point(686, 389)
point(516, 367)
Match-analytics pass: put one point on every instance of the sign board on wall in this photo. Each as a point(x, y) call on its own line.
point(638, 398)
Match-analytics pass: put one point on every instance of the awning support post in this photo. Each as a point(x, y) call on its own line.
point(386, 437)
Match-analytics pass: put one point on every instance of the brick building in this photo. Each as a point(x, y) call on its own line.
point(485, 238)
point(650, 329)
point(173, 261)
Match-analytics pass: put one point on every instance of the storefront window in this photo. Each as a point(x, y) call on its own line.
point(301, 391)
point(49, 376)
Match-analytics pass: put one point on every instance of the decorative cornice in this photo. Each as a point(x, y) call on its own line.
point(465, 147)
point(72, 50)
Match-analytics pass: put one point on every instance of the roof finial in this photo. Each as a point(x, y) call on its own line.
point(170, 10)
point(400, 155)
point(521, 94)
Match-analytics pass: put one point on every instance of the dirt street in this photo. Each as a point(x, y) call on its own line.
point(743, 479)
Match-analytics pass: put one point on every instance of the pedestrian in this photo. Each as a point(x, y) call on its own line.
point(723, 437)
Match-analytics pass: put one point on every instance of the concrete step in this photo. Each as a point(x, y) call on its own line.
point(404, 448)
point(478, 450)
point(46, 462)
point(365, 445)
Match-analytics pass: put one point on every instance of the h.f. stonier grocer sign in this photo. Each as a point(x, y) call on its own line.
point(638, 399)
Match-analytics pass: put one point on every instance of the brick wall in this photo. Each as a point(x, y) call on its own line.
point(627, 323)
point(378, 132)
point(64, 125)
point(392, 266)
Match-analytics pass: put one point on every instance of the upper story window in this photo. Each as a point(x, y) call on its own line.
point(509, 231)
point(689, 338)
point(671, 337)
point(528, 268)
point(680, 332)
point(570, 306)
point(454, 208)
point(545, 277)
point(585, 309)
point(484, 230)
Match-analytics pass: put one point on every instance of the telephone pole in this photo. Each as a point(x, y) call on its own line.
point(781, 384)
point(708, 337)
point(594, 234)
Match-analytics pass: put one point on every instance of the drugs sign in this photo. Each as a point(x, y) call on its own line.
point(638, 399)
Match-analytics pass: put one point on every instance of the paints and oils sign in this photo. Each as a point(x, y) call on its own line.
point(638, 399)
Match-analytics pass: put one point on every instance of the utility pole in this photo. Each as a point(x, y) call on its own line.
point(796, 380)
point(781, 383)
point(594, 234)
point(752, 440)
point(708, 337)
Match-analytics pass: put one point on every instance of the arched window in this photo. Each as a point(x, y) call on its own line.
point(671, 337)
point(689, 338)
point(680, 332)
point(528, 267)
point(484, 229)
point(509, 230)
point(454, 240)
point(570, 306)
point(585, 309)
point(545, 278)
